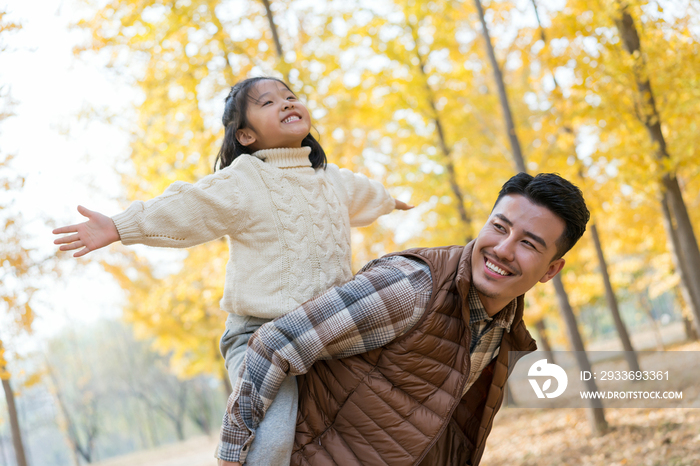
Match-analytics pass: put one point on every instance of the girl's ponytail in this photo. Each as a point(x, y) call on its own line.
point(234, 118)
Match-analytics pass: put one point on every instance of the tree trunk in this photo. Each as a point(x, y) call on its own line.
point(688, 255)
point(630, 354)
point(596, 415)
point(273, 28)
point(651, 119)
point(645, 303)
point(445, 149)
point(84, 450)
point(502, 95)
point(3, 457)
point(610, 296)
point(14, 421)
point(276, 39)
point(690, 333)
point(678, 261)
point(546, 347)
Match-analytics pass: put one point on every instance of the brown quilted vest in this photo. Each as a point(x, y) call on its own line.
point(401, 404)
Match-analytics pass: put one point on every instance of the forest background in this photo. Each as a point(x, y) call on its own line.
point(411, 93)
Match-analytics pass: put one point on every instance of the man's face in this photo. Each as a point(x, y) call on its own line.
point(514, 251)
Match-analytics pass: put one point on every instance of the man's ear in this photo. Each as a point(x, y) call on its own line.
point(554, 268)
point(245, 136)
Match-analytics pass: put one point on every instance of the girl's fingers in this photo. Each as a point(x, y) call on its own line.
point(82, 252)
point(85, 212)
point(67, 239)
point(68, 229)
point(71, 246)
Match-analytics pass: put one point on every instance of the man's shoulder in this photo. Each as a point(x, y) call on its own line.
point(435, 254)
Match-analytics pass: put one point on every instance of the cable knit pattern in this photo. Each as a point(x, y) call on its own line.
point(288, 226)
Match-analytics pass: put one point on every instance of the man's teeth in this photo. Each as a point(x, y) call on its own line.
point(495, 268)
point(290, 119)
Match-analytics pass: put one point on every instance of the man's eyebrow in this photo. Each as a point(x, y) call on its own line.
point(527, 233)
point(505, 219)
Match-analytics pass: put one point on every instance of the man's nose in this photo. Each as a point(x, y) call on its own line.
point(505, 249)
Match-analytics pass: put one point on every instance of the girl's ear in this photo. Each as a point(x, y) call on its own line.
point(245, 136)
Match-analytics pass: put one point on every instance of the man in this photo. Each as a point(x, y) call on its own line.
point(425, 336)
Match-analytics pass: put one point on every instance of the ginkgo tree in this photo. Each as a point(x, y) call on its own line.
point(401, 91)
point(16, 266)
point(642, 120)
point(184, 56)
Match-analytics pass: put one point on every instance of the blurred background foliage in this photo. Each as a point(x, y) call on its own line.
point(404, 92)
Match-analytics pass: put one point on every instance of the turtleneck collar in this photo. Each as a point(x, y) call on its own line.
point(288, 157)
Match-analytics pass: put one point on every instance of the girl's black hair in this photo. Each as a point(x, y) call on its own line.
point(235, 118)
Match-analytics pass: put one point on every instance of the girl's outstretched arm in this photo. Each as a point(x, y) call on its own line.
point(99, 231)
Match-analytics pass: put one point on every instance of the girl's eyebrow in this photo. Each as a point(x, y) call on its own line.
point(283, 89)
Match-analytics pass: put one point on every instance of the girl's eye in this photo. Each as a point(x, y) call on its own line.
point(267, 102)
point(291, 97)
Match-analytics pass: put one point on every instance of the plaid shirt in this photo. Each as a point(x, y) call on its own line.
point(486, 334)
point(383, 301)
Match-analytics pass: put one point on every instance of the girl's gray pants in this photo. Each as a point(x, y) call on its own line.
point(274, 438)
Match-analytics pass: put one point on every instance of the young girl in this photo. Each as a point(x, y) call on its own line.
point(287, 214)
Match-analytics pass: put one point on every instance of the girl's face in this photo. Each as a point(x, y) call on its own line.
point(275, 118)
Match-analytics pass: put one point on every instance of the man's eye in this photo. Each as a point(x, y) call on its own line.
point(529, 244)
point(499, 227)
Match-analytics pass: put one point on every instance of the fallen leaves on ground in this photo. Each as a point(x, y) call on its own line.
point(562, 437)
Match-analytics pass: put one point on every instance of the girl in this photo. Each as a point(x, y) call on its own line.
point(287, 214)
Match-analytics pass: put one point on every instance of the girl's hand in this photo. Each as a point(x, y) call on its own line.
point(402, 205)
point(99, 231)
point(227, 463)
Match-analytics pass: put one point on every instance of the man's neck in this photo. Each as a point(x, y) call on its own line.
point(492, 305)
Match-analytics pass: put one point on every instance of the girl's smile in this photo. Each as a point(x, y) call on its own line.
point(276, 118)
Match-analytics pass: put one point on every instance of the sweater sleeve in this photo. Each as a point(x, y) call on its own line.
point(367, 199)
point(185, 214)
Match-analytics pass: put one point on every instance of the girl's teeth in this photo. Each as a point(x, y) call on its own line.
point(290, 119)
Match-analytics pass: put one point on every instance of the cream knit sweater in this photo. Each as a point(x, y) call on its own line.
point(288, 226)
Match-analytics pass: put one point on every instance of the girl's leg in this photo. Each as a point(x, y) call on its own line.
point(274, 438)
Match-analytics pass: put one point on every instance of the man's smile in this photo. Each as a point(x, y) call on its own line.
point(499, 270)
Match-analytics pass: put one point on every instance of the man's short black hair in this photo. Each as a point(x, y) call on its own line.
point(560, 196)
